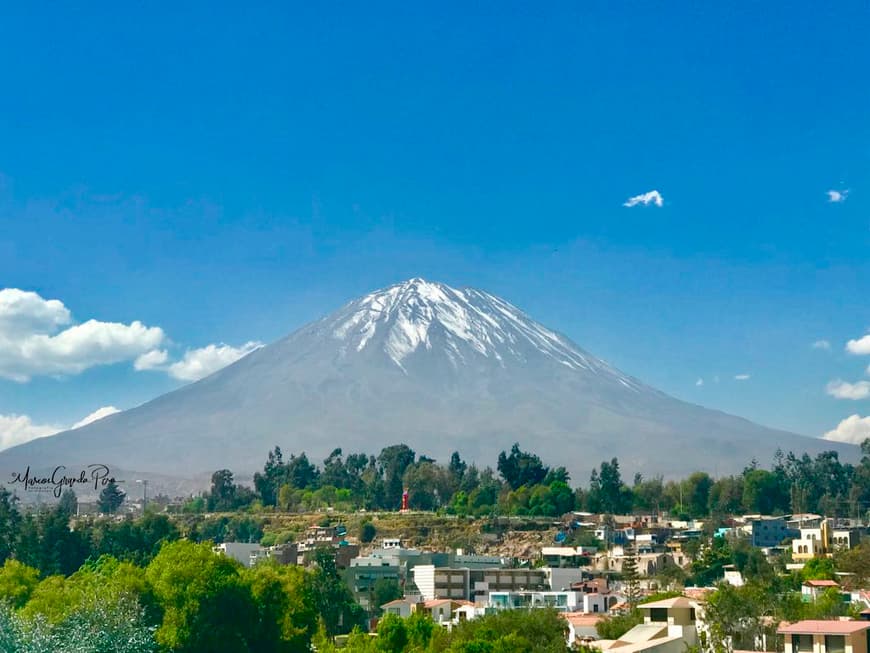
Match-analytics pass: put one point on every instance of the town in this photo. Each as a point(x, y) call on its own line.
point(667, 565)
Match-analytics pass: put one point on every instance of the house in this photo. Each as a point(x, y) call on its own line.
point(812, 590)
point(401, 607)
point(563, 578)
point(814, 542)
point(669, 627)
point(283, 554)
point(442, 610)
point(769, 531)
point(240, 551)
point(581, 627)
point(562, 601)
point(462, 583)
point(567, 556)
point(732, 576)
point(818, 636)
point(844, 538)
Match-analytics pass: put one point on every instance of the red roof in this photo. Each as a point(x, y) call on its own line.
point(822, 583)
point(583, 618)
point(823, 627)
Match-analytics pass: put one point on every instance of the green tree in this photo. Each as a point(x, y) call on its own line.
point(384, 591)
point(393, 462)
point(286, 613)
point(10, 523)
point(521, 468)
point(368, 532)
point(110, 498)
point(510, 631)
point(17, 582)
point(208, 608)
point(630, 578)
point(615, 626)
point(332, 597)
point(392, 634)
point(696, 491)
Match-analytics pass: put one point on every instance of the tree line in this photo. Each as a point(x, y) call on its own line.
point(521, 484)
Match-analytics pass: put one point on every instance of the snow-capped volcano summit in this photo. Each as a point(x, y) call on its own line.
point(460, 324)
point(438, 368)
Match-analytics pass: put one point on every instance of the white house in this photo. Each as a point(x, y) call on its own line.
point(241, 551)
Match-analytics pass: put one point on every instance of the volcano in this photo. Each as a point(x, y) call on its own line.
point(440, 369)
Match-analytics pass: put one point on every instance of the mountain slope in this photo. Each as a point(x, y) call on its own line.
point(438, 368)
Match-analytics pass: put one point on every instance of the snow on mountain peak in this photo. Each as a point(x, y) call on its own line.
point(408, 316)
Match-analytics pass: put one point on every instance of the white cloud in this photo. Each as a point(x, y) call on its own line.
point(844, 390)
point(34, 342)
point(836, 196)
point(17, 429)
point(199, 363)
point(98, 414)
point(822, 344)
point(742, 377)
point(152, 360)
point(853, 429)
point(699, 382)
point(652, 197)
point(861, 346)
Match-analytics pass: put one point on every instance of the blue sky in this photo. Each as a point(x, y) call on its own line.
point(225, 175)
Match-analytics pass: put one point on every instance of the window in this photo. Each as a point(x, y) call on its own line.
point(658, 614)
point(835, 644)
point(802, 643)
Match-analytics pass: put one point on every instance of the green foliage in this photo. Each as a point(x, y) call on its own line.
point(332, 598)
point(508, 631)
point(521, 468)
point(17, 582)
point(286, 617)
point(615, 626)
point(392, 634)
point(208, 608)
point(105, 627)
point(384, 591)
point(818, 569)
point(110, 499)
point(630, 578)
point(368, 532)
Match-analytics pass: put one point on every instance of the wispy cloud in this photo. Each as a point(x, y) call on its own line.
point(699, 382)
point(854, 429)
point(822, 344)
point(742, 377)
point(652, 197)
point(845, 390)
point(835, 196)
point(860, 347)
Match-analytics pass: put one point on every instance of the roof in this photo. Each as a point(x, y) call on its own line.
point(824, 627)
point(644, 633)
point(822, 583)
point(676, 602)
point(582, 618)
point(398, 602)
